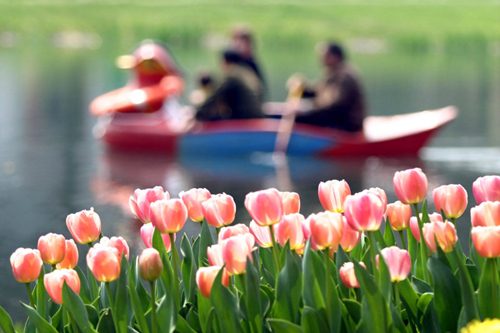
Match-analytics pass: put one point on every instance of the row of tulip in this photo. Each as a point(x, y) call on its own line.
point(334, 271)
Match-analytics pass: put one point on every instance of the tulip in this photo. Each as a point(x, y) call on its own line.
point(226, 232)
point(290, 230)
point(451, 199)
point(327, 229)
point(487, 214)
point(381, 194)
point(70, 260)
point(219, 210)
point(26, 265)
point(434, 217)
point(150, 264)
point(168, 215)
point(265, 206)
point(332, 195)
point(262, 235)
point(84, 226)
point(141, 200)
point(486, 188)
point(444, 232)
point(205, 277)
point(348, 276)
point(235, 252)
point(214, 254)
point(410, 186)
point(104, 262)
point(364, 211)
point(306, 230)
point(398, 261)
point(399, 215)
point(52, 248)
point(291, 202)
point(193, 199)
point(350, 238)
point(486, 241)
point(118, 243)
point(147, 231)
point(54, 283)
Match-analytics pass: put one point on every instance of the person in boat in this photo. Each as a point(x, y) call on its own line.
point(239, 96)
point(337, 99)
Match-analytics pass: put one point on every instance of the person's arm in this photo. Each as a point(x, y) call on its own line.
point(211, 108)
point(344, 94)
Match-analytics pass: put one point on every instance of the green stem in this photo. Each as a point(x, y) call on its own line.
point(424, 253)
point(494, 291)
point(398, 300)
point(453, 219)
point(326, 253)
point(112, 306)
point(276, 254)
point(53, 267)
point(468, 299)
point(373, 243)
point(175, 256)
point(402, 237)
point(243, 283)
point(30, 295)
point(217, 231)
point(153, 307)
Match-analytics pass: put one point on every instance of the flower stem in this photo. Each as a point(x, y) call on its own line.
point(217, 231)
point(112, 306)
point(30, 295)
point(175, 256)
point(153, 307)
point(275, 251)
point(398, 300)
point(494, 291)
point(371, 239)
point(423, 245)
point(402, 237)
point(326, 253)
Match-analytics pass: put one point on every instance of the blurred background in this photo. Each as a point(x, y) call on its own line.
point(57, 56)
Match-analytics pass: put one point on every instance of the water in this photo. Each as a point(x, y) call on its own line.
point(51, 165)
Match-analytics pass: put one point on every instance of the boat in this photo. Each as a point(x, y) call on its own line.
point(397, 135)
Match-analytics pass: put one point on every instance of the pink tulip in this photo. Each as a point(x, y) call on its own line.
point(327, 229)
point(84, 226)
point(193, 199)
point(235, 252)
point(306, 230)
point(219, 210)
point(290, 230)
point(262, 235)
point(451, 199)
point(118, 243)
point(399, 215)
point(147, 231)
point(168, 216)
point(291, 202)
point(54, 282)
point(332, 195)
point(104, 262)
point(487, 214)
point(205, 277)
point(350, 238)
point(226, 232)
point(434, 217)
point(364, 211)
point(214, 254)
point(52, 248)
point(487, 241)
point(445, 234)
point(410, 186)
point(398, 261)
point(381, 194)
point(70, 260)
point(486, 188)
point(26, 265)
point(141, 200)
point(348, 276)
point(150, 264)
point(265, 206)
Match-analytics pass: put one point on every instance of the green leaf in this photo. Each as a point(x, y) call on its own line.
point(354, 308)
point(41, 296)
point(288, 291)
point(106, 323)
point(168, 278)
point(183, 326)
point(312, 292)
point(421, 286)
point(266, 259)
point(206, 241)
point(312, 321)
point(397, 323)
point(427, 314)
point(389, 238)
point(410, 299)
point(283, 326)
point(84, 286)
point(166, 314)
point(6, 322)
point(341, 258)
point(92, 314)
point(188, 270)
point(76, 308)
point(412, 249)
point(136, 303)
point(40, 323)
point(204, 309)
point(120, 302)
point(385, 278)
point(489, 291)
point(380, 239)
point(253, 294)
point(469, 300)
point(225, 306)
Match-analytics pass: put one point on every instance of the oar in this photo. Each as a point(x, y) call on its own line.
point(288, 120)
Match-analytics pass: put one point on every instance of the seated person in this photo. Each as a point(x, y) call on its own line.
point(337, 98)
point(239, 95)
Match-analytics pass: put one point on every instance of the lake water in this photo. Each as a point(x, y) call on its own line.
point(51, 165)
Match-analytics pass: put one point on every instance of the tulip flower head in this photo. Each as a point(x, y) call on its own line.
point(486, 240)
point(52, 248)
point(451, 199)
point(332, 195)
point(410, 185)
point(219, 210)
point(350, 238)
point(348, 276)
point(434, 217)
point(205, 277)
point(265, 206)
point(364, 211)
point(193, 199)
point(70, 260)
point(486, 188)
point(54, 282)
point(150, 264)
point(141, 200)
point(118, 243)
point(147, 231)
point(26, 265)
point(398, 261)
point(226, 232)
point(262, 235)
point(214, 254)
point(235, 252)
point(168, 215)
point(444, 232)
point(84, 226)
point(104, 262)
point(381, 194)
point(290, 230)
point(487, 214)
point(327, 229)
point(291, 202)
point(399, 215)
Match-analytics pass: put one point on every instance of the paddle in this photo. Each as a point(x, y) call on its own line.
point(288, 119)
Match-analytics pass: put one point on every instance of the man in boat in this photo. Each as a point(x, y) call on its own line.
point(239, 96)
point(337, 98)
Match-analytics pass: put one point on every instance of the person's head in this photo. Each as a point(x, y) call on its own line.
point(242, 41)
point(332, 54)
point(230, 57)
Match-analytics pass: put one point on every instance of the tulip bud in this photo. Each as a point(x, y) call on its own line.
point(262, 235)
point(214, 254)
point(141, 200)
point(410, 186)
point(193, 199)
point(104, 262)
point(487, 214)
point(219, 210)
point(52, 248)
point(364, 211)
point(327, 229)
point(150, 264)
point(226, 232)
point(235, 252)
point(451, 199)
point(291, 202)
point(26, 265)
point(70, 260)
point(350, 238)
point(486, 241)
point(290, 230)
point(54, 282)
point(398, 261)
point(205, 277)
point(348, 276)
point(486, 188)
point(168, 216)
point(265, 206)
point(399, 215)
point(118, 243)
point(147, 231)
point(332, 195)
point(84, 226)
point(445, 234)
